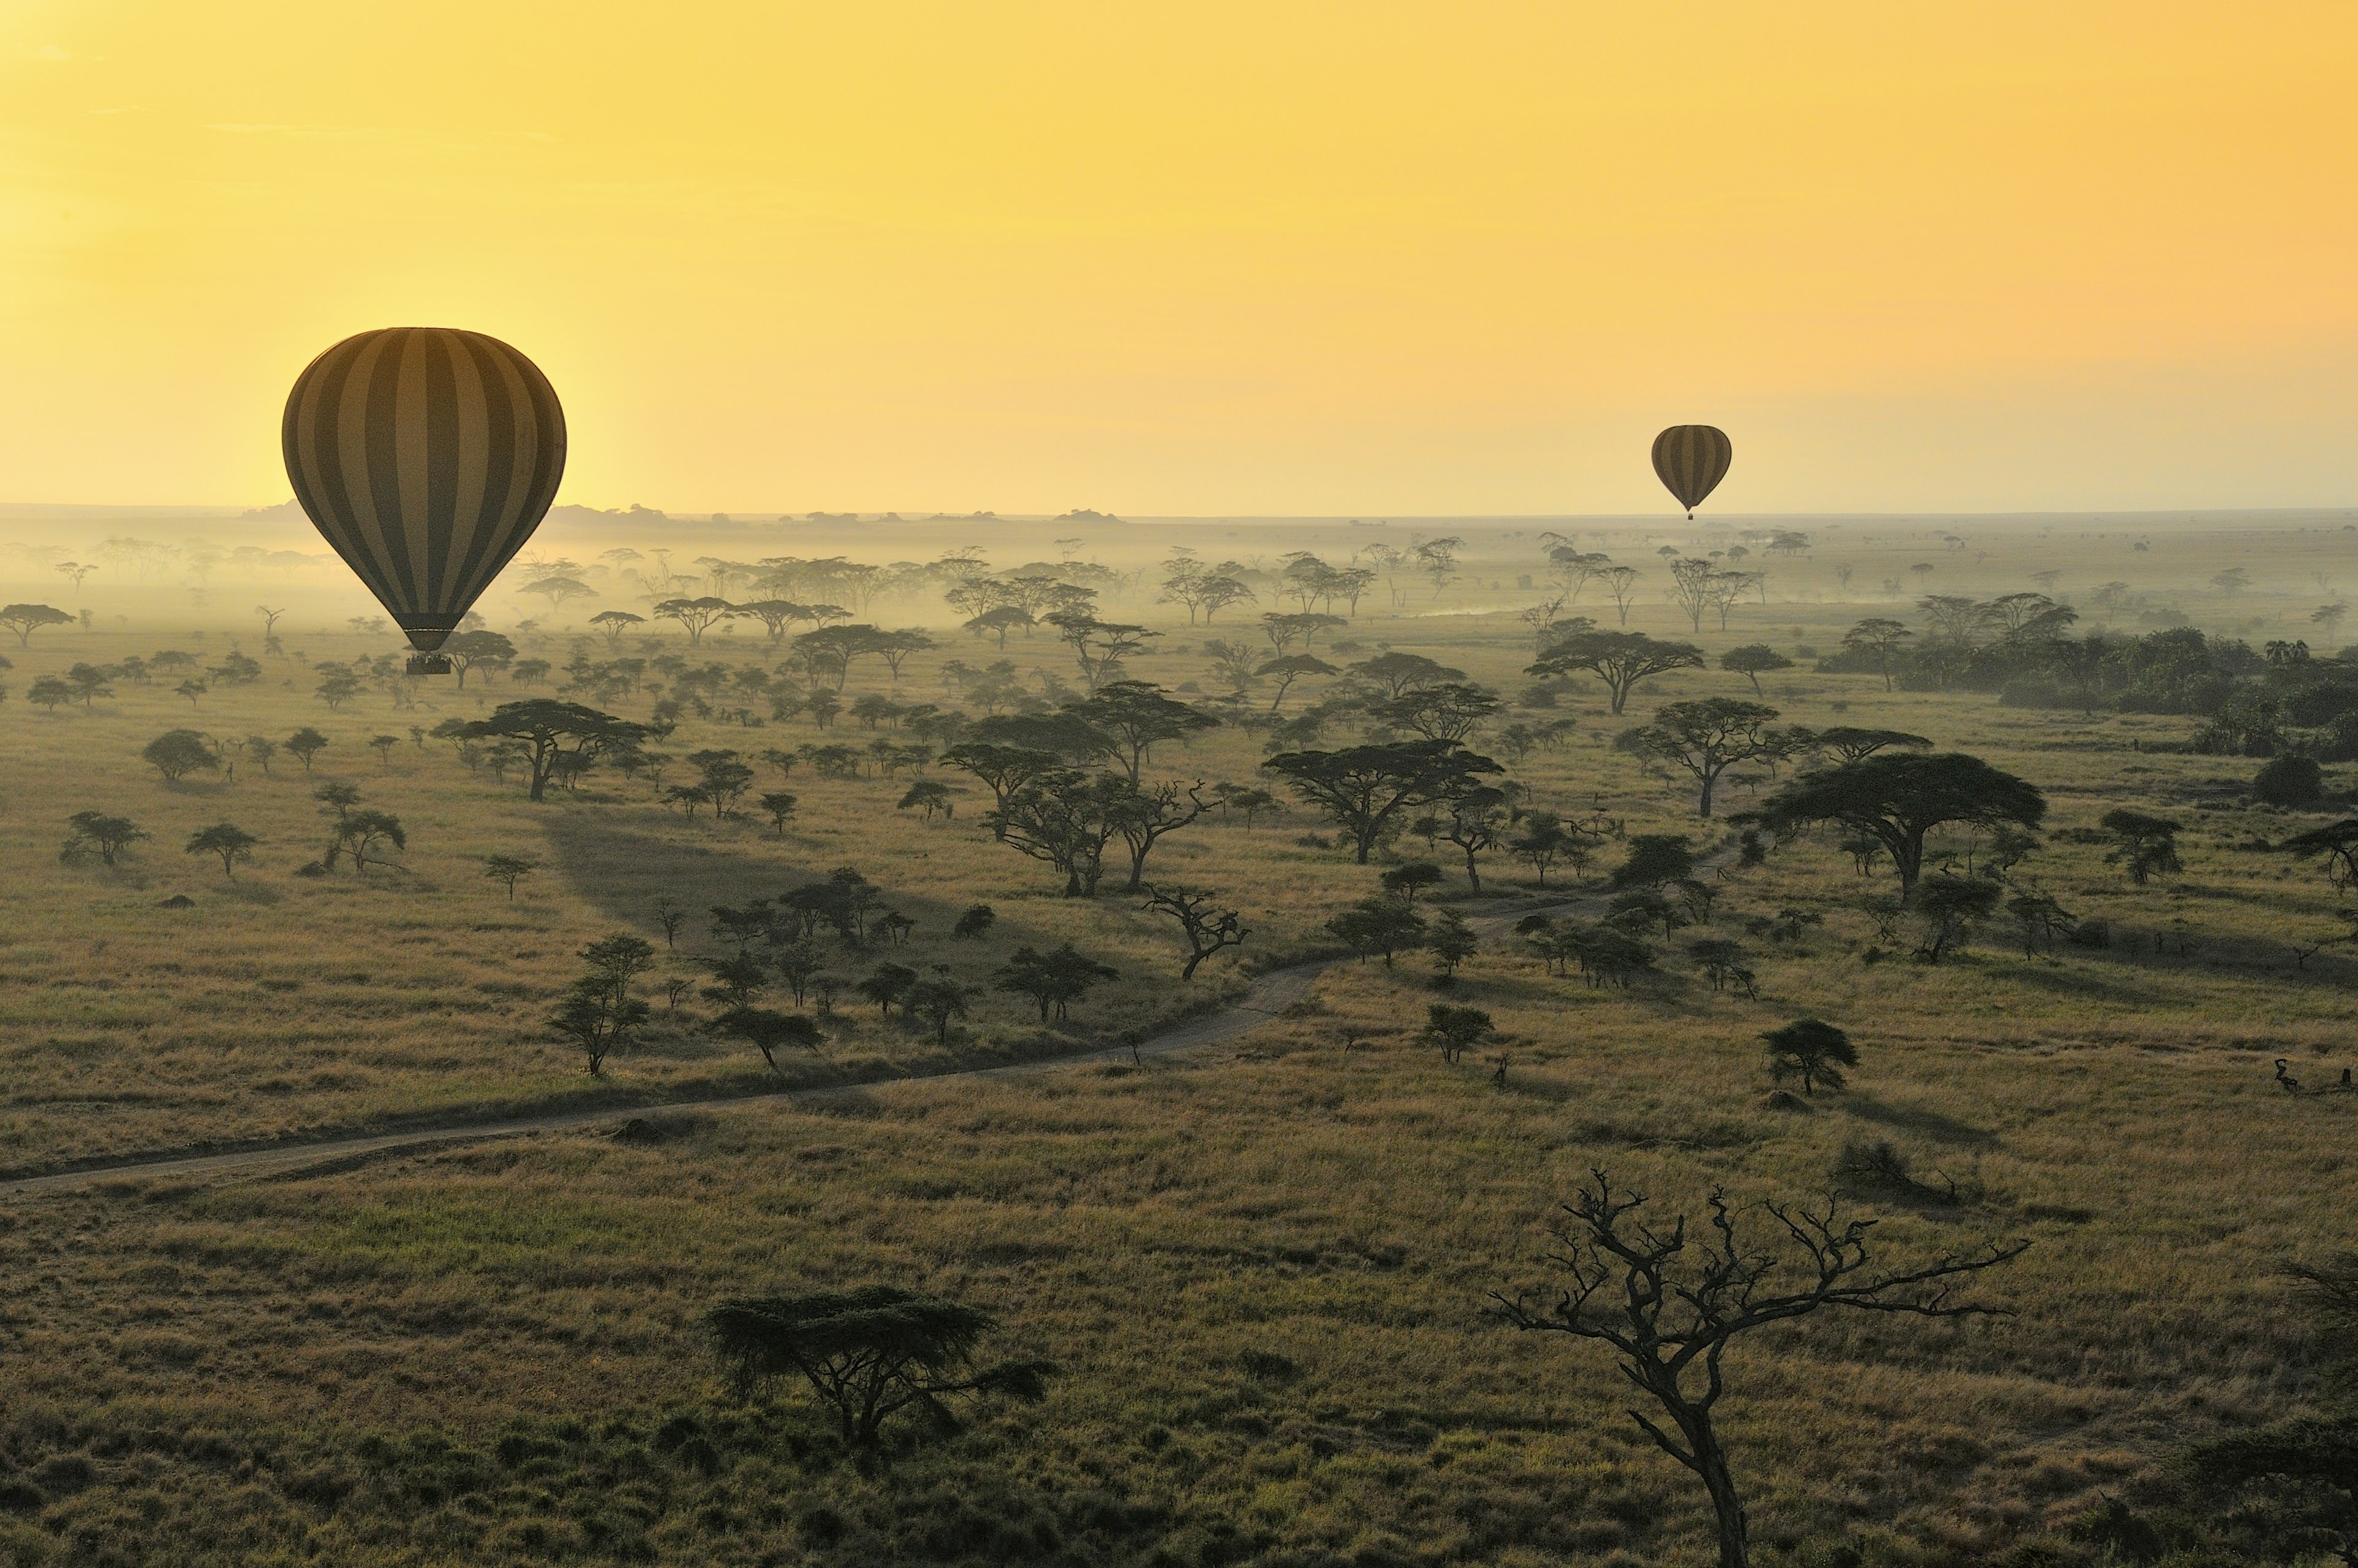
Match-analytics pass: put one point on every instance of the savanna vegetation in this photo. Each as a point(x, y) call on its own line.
point(1832, 1048)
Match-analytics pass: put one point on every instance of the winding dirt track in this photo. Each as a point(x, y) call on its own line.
point(1269, 996)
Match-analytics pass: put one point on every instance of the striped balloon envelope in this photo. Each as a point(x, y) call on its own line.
point(426, 455)
point(1691, 460)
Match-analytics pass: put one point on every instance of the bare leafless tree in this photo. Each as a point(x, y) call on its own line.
point(1670, 1305)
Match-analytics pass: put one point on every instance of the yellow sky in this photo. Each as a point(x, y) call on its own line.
point(1265, 258)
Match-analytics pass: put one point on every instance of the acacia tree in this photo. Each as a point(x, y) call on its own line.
point(833, 650)
point(614, 623)
point(1207, 926)
point(696, 616)
point(1669, 1306)
point(1877, 638)
point(175, 753)
point(1850, 742)
point(1754, 660)
point(1006, 769)
point(1286, 669)
point(938, 999)
point(1067, 816)
point(1145, 817)
point(307, 743)
point(555, 735)
point(1451, 711)
point(509, 870)
point(228, 840)
point(1708, 738)
point(1054, 979)
point(1364, 789)
point(1620, 659)
point(26, 619)
point(868, 1353)
point(1811, 1050)
point(1099, 646)
point(1472, 818)
point(2336, 844)
point(2146, 844)
point(1621, 583)
point(1948, 907)
point(95, 833)
point(466, 650)
point(1135, 714)
point(1897, 799)
point(1379, 925)
point(598, 1013)
point(768, 1032)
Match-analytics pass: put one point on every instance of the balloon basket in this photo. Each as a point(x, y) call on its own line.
point(429, 664)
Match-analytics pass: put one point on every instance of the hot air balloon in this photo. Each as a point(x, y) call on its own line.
point(426, 455)
point(1691, 460)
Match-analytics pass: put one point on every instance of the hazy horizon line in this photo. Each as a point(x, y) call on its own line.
point(39, 511)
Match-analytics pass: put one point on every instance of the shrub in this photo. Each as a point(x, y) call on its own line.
point(2290, 780)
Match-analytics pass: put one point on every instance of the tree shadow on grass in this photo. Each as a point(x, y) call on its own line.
point(625, 871)
point(1920, 1119)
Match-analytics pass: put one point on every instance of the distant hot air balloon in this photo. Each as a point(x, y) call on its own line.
point(426, 455)
point(1691, 460)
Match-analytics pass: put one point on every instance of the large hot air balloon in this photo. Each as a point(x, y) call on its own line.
point(427, 456)
point(1691, 460)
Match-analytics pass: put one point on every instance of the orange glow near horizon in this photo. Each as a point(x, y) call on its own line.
point(1309, 258)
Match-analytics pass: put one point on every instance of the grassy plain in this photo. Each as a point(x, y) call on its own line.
point(1263, 1267)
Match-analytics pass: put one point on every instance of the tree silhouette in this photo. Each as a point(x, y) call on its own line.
point(1851, 743)
point(1207, 926)
point(1949, 907)
point(26, 619)
point(696, 616)
point(1054, 980)
point(307, 743)
point(1620, 659)
point(1754, 660)
point(868, 1353)
point(510, 870)
point(1877, 639)
point(466, 650)
point(1670, 1307)
point(1365, 789)
point(555, 733)
point(95, 833)
point(1810, 1050)
point(1379, 925)
point(779, 804)
point(598, 1013)
point(1708, 738)
point(1896, 800)
point(228, 840)
point(940, 1000)
point(176, 753)
point(1451, 942)
point(768, 1032)
point(2148, 844)
point(614, 623)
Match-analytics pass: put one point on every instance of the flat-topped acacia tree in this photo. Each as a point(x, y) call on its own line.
point(1620, 659)
point(552, 732)
point(1364, 789)
point(1135, 714)
point(1896, 798)
point(26, 619)
point(1708, 738)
